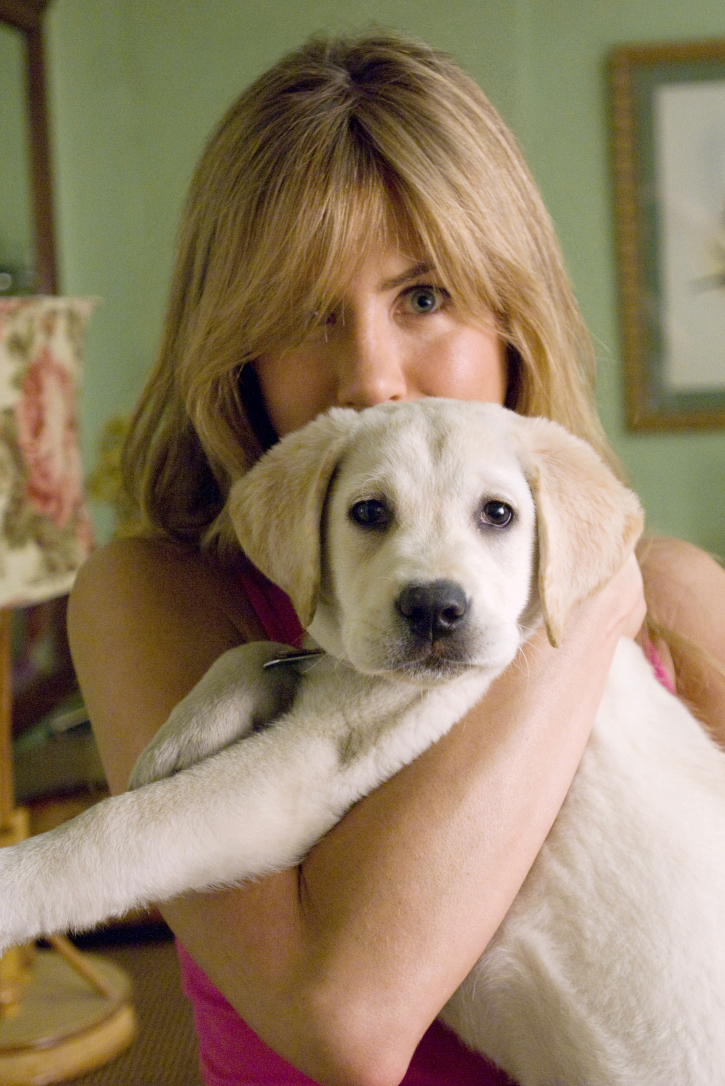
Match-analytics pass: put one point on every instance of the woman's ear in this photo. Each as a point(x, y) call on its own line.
point(276, 508)
point(587, 520)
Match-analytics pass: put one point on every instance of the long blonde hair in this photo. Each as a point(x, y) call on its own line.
point(301, 173)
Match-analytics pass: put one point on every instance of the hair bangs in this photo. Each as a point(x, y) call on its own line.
point(312, 232)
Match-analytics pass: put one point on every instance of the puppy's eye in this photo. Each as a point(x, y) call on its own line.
point(497, 513)
point(371, 513)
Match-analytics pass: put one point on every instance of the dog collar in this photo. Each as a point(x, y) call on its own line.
point(294, 657)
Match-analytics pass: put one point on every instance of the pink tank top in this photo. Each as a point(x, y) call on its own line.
point(230, 1053)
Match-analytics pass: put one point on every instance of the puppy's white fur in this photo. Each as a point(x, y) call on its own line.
point(609, 969)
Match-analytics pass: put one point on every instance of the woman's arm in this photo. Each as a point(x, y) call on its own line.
point(341, 965)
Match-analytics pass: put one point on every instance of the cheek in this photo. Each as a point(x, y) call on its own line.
point(472, 366)
point(488, 373)
point(292, 389)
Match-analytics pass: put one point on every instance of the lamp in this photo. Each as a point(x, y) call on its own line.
point(61, 1012)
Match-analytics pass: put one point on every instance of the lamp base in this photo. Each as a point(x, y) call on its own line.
point(62, 1027)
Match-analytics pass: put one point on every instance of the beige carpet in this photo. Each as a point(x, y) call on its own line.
point(164, 1052)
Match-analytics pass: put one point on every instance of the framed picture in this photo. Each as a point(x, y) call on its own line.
point(668, 114)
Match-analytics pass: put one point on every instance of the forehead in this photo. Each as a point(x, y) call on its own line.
point(443, 454)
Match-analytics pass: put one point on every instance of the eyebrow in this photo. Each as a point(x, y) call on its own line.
point(422, 268)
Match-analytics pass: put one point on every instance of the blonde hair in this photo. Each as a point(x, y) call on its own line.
point(303, 172)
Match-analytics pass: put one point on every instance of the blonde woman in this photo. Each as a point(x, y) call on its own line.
point(361, 228)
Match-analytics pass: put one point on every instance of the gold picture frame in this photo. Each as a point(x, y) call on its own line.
point(26, 17)
point(668, 143)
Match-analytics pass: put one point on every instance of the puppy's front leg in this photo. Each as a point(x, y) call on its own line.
point(255, 807)
point(236, 696)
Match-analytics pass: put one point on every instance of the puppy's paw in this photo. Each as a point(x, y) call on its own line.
point(236, 696)
point(22, 902)
point(161, 760)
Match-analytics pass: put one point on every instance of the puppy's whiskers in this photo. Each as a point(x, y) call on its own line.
point(521, 661)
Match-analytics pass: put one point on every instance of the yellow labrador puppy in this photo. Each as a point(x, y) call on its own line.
point(429, 539)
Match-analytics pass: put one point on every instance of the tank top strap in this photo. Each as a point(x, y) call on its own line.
point(272, 607)
point(658, 667)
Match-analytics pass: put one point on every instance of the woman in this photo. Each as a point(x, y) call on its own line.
point(360, 228)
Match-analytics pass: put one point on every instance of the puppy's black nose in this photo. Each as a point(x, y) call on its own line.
point(433, 610)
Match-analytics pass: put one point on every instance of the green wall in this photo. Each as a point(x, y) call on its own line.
point(136, 87)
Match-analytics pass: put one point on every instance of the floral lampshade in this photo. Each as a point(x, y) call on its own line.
point(45, 528)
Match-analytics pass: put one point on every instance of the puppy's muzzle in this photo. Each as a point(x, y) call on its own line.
point(433, 611)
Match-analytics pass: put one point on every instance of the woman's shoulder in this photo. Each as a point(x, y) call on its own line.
point(684, 586)
point(136, 558)
point(137, 575)
point(146, 619)
point(685, 593)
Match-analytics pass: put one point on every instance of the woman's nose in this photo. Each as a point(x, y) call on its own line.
point(370, 366)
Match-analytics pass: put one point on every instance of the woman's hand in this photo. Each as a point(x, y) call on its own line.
point(620, 602)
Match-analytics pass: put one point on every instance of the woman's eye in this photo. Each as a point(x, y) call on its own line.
point(498, 514)
point(371, 513)
point(422, 300)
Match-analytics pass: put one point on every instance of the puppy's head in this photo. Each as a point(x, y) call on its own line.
point(406, 535)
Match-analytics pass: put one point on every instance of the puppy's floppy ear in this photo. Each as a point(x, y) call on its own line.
point(587, 520)
point(276, 508)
